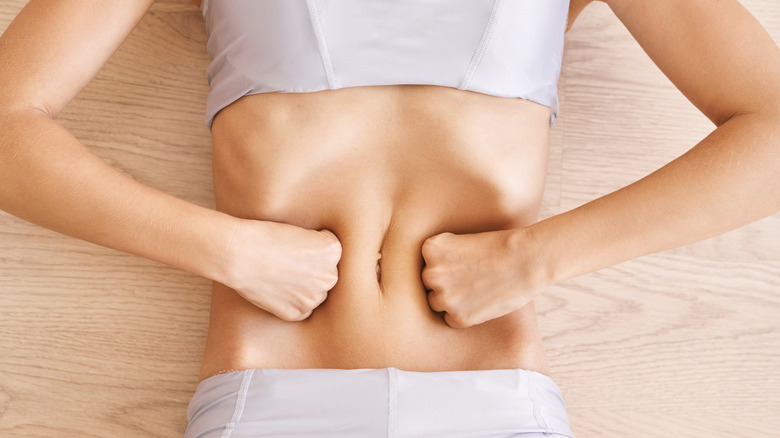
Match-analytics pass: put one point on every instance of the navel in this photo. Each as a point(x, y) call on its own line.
point(379, 268)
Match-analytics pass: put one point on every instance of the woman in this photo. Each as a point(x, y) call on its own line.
point(393, 168)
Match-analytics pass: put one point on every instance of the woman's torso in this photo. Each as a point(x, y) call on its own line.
point(384, 168)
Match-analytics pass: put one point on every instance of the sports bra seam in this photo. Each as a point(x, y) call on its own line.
point(320, 37)
point(483, 43)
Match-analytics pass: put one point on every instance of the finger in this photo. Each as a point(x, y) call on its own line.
point(330, 234)
point(332, 280)
point(455, 322)
point(434, 245)
point(322, 300)
point(336, 244)
point(429, 278)
point(435, 302)
point(428, 249)
point(304, 316)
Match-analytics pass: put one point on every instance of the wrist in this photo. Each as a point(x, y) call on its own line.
point(538, 260)
point(220, 256)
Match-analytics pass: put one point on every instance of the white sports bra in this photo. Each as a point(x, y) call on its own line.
point(507, 48)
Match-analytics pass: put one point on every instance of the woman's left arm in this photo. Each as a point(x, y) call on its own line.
point(727, 65)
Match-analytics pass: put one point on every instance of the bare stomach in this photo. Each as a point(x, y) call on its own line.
point(384, 168)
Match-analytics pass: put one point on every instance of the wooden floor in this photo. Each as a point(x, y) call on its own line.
point(95, 343)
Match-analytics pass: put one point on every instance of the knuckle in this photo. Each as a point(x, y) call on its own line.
point(331, 250)
point(428, 247)
point(439, 301)
point(311, 300)
point(320, 300)
point(300, 317)
point(331, 280)
point(323, 284)
point(305, 302)
point(320, 297)
point(450, 302)
point(290, 314)
point(336, 249)
point(434, 302)
point(457, 320)
point(431, 277)
point(426, 277)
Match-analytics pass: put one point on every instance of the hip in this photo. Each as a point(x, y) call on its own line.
point(385, 402)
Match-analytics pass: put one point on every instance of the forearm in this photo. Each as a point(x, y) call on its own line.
point(728, 180)
point(49, 178)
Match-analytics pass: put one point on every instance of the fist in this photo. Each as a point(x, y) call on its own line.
point(284, 269)
point(474, 278)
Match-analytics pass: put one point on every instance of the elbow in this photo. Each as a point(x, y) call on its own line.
point(721, 119)
point(12, 114)
point(13, 105)
point(761, 102)
point(769, 113)
point(10, 111)
point(16, 120)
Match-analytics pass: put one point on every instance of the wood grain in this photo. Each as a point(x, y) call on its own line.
point(685, 343)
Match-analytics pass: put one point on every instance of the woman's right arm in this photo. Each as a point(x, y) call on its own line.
point(47, 55)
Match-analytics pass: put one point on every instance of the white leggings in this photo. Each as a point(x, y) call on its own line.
point(377, 403)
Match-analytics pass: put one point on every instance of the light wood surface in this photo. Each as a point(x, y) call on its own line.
point(686, 343)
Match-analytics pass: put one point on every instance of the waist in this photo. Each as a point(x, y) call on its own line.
point(376, 316)
point(384, 169)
